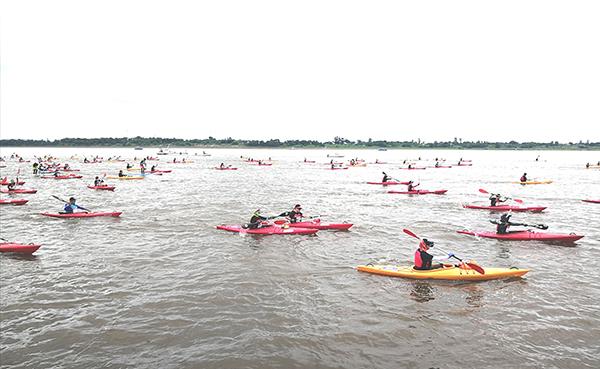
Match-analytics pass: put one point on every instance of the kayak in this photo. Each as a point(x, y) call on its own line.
point(533, 182)
point(82, 215)
point(451, 273)
point(69, 170)
point(230, 168)
point(317, 224)
point(73, 176)
point(592, 201)
point(413, 168)
point(13, 201)
point(18, 190)
point(388, 183)
point(18, 247)
point(268, 230)
point(379, 162)
point(309, 161)
point(6, 182)
point(464, 164)
point(525, 236)
point(420, 192)
point(337, 168)
point(441, 166)
point(125, 178)
point(105, 187)
point(534, 209)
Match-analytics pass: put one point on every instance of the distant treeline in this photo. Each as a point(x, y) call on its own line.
point(337, 142)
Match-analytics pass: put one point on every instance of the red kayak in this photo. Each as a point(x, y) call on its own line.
point(592, 201)
point(388, 183)
point(442, 166)
point(18, 190)
point(317, 224)
point(464, 164)
point(225, 168)
point(420, 192)
point(105, 188)
point(73, 176)
point(308, 161)
point(82, 215)
point(525, 236)
point(161, 171)
point(13, 202)
point(413, 168)
point(5, 182)
point(271, 229)
point(534, 209)
point(17, 247)
point(69, 170)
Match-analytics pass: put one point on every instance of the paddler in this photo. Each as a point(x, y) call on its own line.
point(153, 168)
point(98, 181)
point(495, 198)
point(12, 185)
point(295, 215)
point(411, 187)
point(35, 168)
point(504, 224)
point(256, 220)
point(423, 259)
point(385, 177)
point(121, 174)
point(71, 206)
point(222, 165)
point(129, 166)
point(524, 177)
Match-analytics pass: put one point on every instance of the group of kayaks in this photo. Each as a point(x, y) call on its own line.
point(282, 228)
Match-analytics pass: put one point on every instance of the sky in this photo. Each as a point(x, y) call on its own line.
point(392, 70)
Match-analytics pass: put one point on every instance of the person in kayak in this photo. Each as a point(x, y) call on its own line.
point(504, 224)
point(423, 259)
point(12, 185)
point(222, 165)
point(524, 177)
point(385, 177)
point(496, 198)
point(71, 206)
point(411, 187)
point(295, 215)
point(98, 181)
point(129, 166)
point(121, 174)
point(256, 220)
point(153, 168)
point(35, 168)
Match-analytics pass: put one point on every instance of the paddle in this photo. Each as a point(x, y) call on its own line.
point(473, 266)
point(66, 202)
point(539, 226)
point(4, 239)
point(515, 200)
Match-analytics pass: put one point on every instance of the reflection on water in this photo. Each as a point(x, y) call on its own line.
point(422, 291)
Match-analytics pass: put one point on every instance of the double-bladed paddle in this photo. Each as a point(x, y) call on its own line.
point(473, 266)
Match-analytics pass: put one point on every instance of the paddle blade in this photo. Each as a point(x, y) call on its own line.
point(518, 201)
point(483, 191)
point(280, 221)
point(476, 268)
point(408, 232)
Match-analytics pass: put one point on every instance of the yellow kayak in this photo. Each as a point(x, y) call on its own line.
point(534, 182)
point(451, 273)
point(125, 178)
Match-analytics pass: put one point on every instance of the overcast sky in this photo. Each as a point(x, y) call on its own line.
point(492, 70)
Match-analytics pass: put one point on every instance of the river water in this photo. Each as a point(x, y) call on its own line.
point(160, 287)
